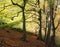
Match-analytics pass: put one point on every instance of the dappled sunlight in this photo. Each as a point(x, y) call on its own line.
point(30, 23)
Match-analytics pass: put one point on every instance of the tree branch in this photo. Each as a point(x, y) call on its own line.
point(4, 7)
point(57, 25)
point(16, 15)
point(16, 4)
point(54, 16)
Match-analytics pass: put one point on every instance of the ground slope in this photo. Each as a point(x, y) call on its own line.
point(11, 38)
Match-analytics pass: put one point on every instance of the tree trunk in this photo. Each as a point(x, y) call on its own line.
point(24, 26)
point(48, 33)
point(53, 26)
point(46, 27)
point(24, 22)
point(40, 26)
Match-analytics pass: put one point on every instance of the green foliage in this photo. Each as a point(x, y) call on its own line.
point(11, 15)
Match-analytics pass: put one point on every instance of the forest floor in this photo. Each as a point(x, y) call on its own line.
point(11, 38)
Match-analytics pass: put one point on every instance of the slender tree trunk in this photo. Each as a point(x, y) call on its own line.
point(40, 22)
point(48, 33)
point(40, 26)
point(24, 26)
point(53, 26)
point(46, 27)
point(24, 22)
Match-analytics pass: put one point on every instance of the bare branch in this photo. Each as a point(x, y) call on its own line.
point(5, 7)
point(16, 4)
point(31, 10)
point(57, 24)
point(54, 15)
point(16, 15)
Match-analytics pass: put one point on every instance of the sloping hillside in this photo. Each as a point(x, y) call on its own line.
point(11, 38)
